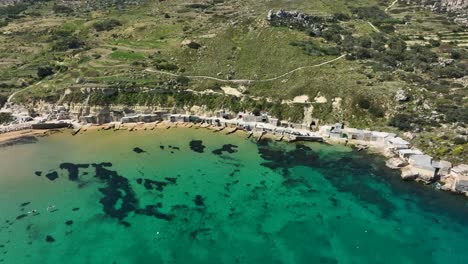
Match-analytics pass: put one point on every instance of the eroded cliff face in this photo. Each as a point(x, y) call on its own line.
point(104, 114)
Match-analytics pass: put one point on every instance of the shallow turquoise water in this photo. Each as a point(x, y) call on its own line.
point(263, 203)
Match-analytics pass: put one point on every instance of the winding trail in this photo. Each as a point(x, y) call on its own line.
point(246, 80)
point(391, 5)
point(374, 27)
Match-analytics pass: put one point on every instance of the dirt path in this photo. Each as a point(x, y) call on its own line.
point(374, 27)
point(391, 5)
point(246, 80)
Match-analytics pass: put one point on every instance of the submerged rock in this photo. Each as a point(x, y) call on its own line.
point(197, 146)
point(138, 150)
point(229, 148)
point(73, 169)
point(199, 201)
point(52, 176)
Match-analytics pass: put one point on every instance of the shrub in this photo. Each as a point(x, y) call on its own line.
point(454, 113)
point(364, 103)
point(401, 121)
point(66, 43)
point(107, 25)
point(341, 17)
point(62, 9)
point(44, 71)
point(3, 100)
point(459, 140)
point(12, 11)
point(377, 111)
point(5, 118)
point(458, 151)
point(162, 64)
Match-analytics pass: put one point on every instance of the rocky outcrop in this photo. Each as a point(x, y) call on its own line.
point(395, 163)
point(401, 96)
point(295, 19)
point(407, 174)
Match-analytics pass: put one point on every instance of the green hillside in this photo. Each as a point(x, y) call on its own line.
point(49, 47)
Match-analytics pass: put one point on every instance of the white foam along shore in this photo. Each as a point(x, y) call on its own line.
point(413, 163)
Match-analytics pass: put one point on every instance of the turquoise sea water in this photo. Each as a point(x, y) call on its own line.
point(194, 196)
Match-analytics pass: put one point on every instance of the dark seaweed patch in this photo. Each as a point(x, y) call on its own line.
point(49, 239)
point(52, 175)
point(73, 169)
point(158, 185)
point(38, 173)
point(171, 180)
point(197, 146)
point(151, 185)
point(199, 200)
point(21, 216)
point(195, 233)
point(229, 148)
point(139, 180)
point(152, 210)
point(138, 150)
point(118, 189)
point(69, 222)
point(334, 201)
point(125, 223)
point(281, 159)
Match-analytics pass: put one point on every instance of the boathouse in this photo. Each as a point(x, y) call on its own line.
point(407, 153)
point(422, 165)
point(460, 173)
point(397, 143)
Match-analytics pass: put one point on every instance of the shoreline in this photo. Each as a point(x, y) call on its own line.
point(442, 182)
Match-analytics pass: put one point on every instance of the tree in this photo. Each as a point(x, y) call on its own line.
point(62, 9)
point(107, 25)
point(44, 71)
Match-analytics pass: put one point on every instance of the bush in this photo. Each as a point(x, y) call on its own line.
point(3, 100)
point(454, 113)
point(107, 25)
point(401, 121)
point(62, 9)
point(459, 140)
point(364, 103)
point(458, 151)
point(377, 111)
point(67, 43)
point(44, 71)
point(341, 17)
point(12, 11)
point(162, 64)
point(5, 118)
